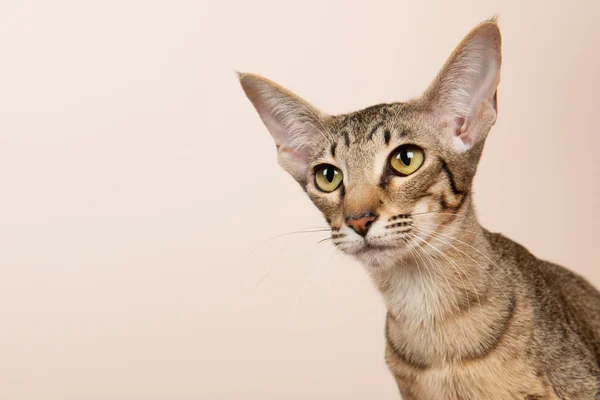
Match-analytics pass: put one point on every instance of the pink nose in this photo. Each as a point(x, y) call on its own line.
point(361, 224)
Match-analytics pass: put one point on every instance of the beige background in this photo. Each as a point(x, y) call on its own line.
point(137, 180)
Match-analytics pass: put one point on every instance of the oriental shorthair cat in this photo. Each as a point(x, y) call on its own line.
point(470, 313)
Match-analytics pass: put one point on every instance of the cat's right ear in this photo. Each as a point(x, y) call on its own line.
point(463, 94)
point(294, 124)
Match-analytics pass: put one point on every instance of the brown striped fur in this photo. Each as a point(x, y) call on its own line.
point(471, 314)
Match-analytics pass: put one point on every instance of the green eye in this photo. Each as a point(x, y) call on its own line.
point(327, 177)
point(406, 159)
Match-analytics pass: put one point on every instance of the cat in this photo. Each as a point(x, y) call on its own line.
point(470, 313)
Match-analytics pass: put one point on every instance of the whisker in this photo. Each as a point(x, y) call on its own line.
point(324, 240)
point(399, 231)
point(455, 265)
point(317, 244)
point(483, 268)
point(484, 219)
point(436, 264)
point(462, 229)
point(486, 257)
point(288, 234)
point(312, 275)
point(332, 270)
point(423, 285)
point(272, 268)
point(434, 212)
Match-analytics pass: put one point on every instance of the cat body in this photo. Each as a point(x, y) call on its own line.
point(537, 339)
point(471, 314)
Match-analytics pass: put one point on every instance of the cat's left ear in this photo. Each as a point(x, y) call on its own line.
point(463, 94)
point(294, 124)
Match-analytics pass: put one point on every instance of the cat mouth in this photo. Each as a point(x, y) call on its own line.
point(388, 244)
point(368, 246)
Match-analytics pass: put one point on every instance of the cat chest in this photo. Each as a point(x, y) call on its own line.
point(495, 378)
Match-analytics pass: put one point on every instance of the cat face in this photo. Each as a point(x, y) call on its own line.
point(389, 176)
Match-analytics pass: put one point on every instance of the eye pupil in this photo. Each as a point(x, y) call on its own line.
point(406, 157)
point(329, 174)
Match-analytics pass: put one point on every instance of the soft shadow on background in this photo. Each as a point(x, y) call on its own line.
point(137, 182)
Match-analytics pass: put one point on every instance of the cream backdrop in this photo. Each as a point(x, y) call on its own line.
point(137, 181)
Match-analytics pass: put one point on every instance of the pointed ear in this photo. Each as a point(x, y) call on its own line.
point(464, 92)
point(294, 124)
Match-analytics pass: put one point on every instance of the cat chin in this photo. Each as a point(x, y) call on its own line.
point(380, 256)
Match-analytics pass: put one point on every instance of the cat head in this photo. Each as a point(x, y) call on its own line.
point(387, 176)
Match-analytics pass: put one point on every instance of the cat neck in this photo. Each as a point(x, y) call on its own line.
point(447, 305)
point(449, 273)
